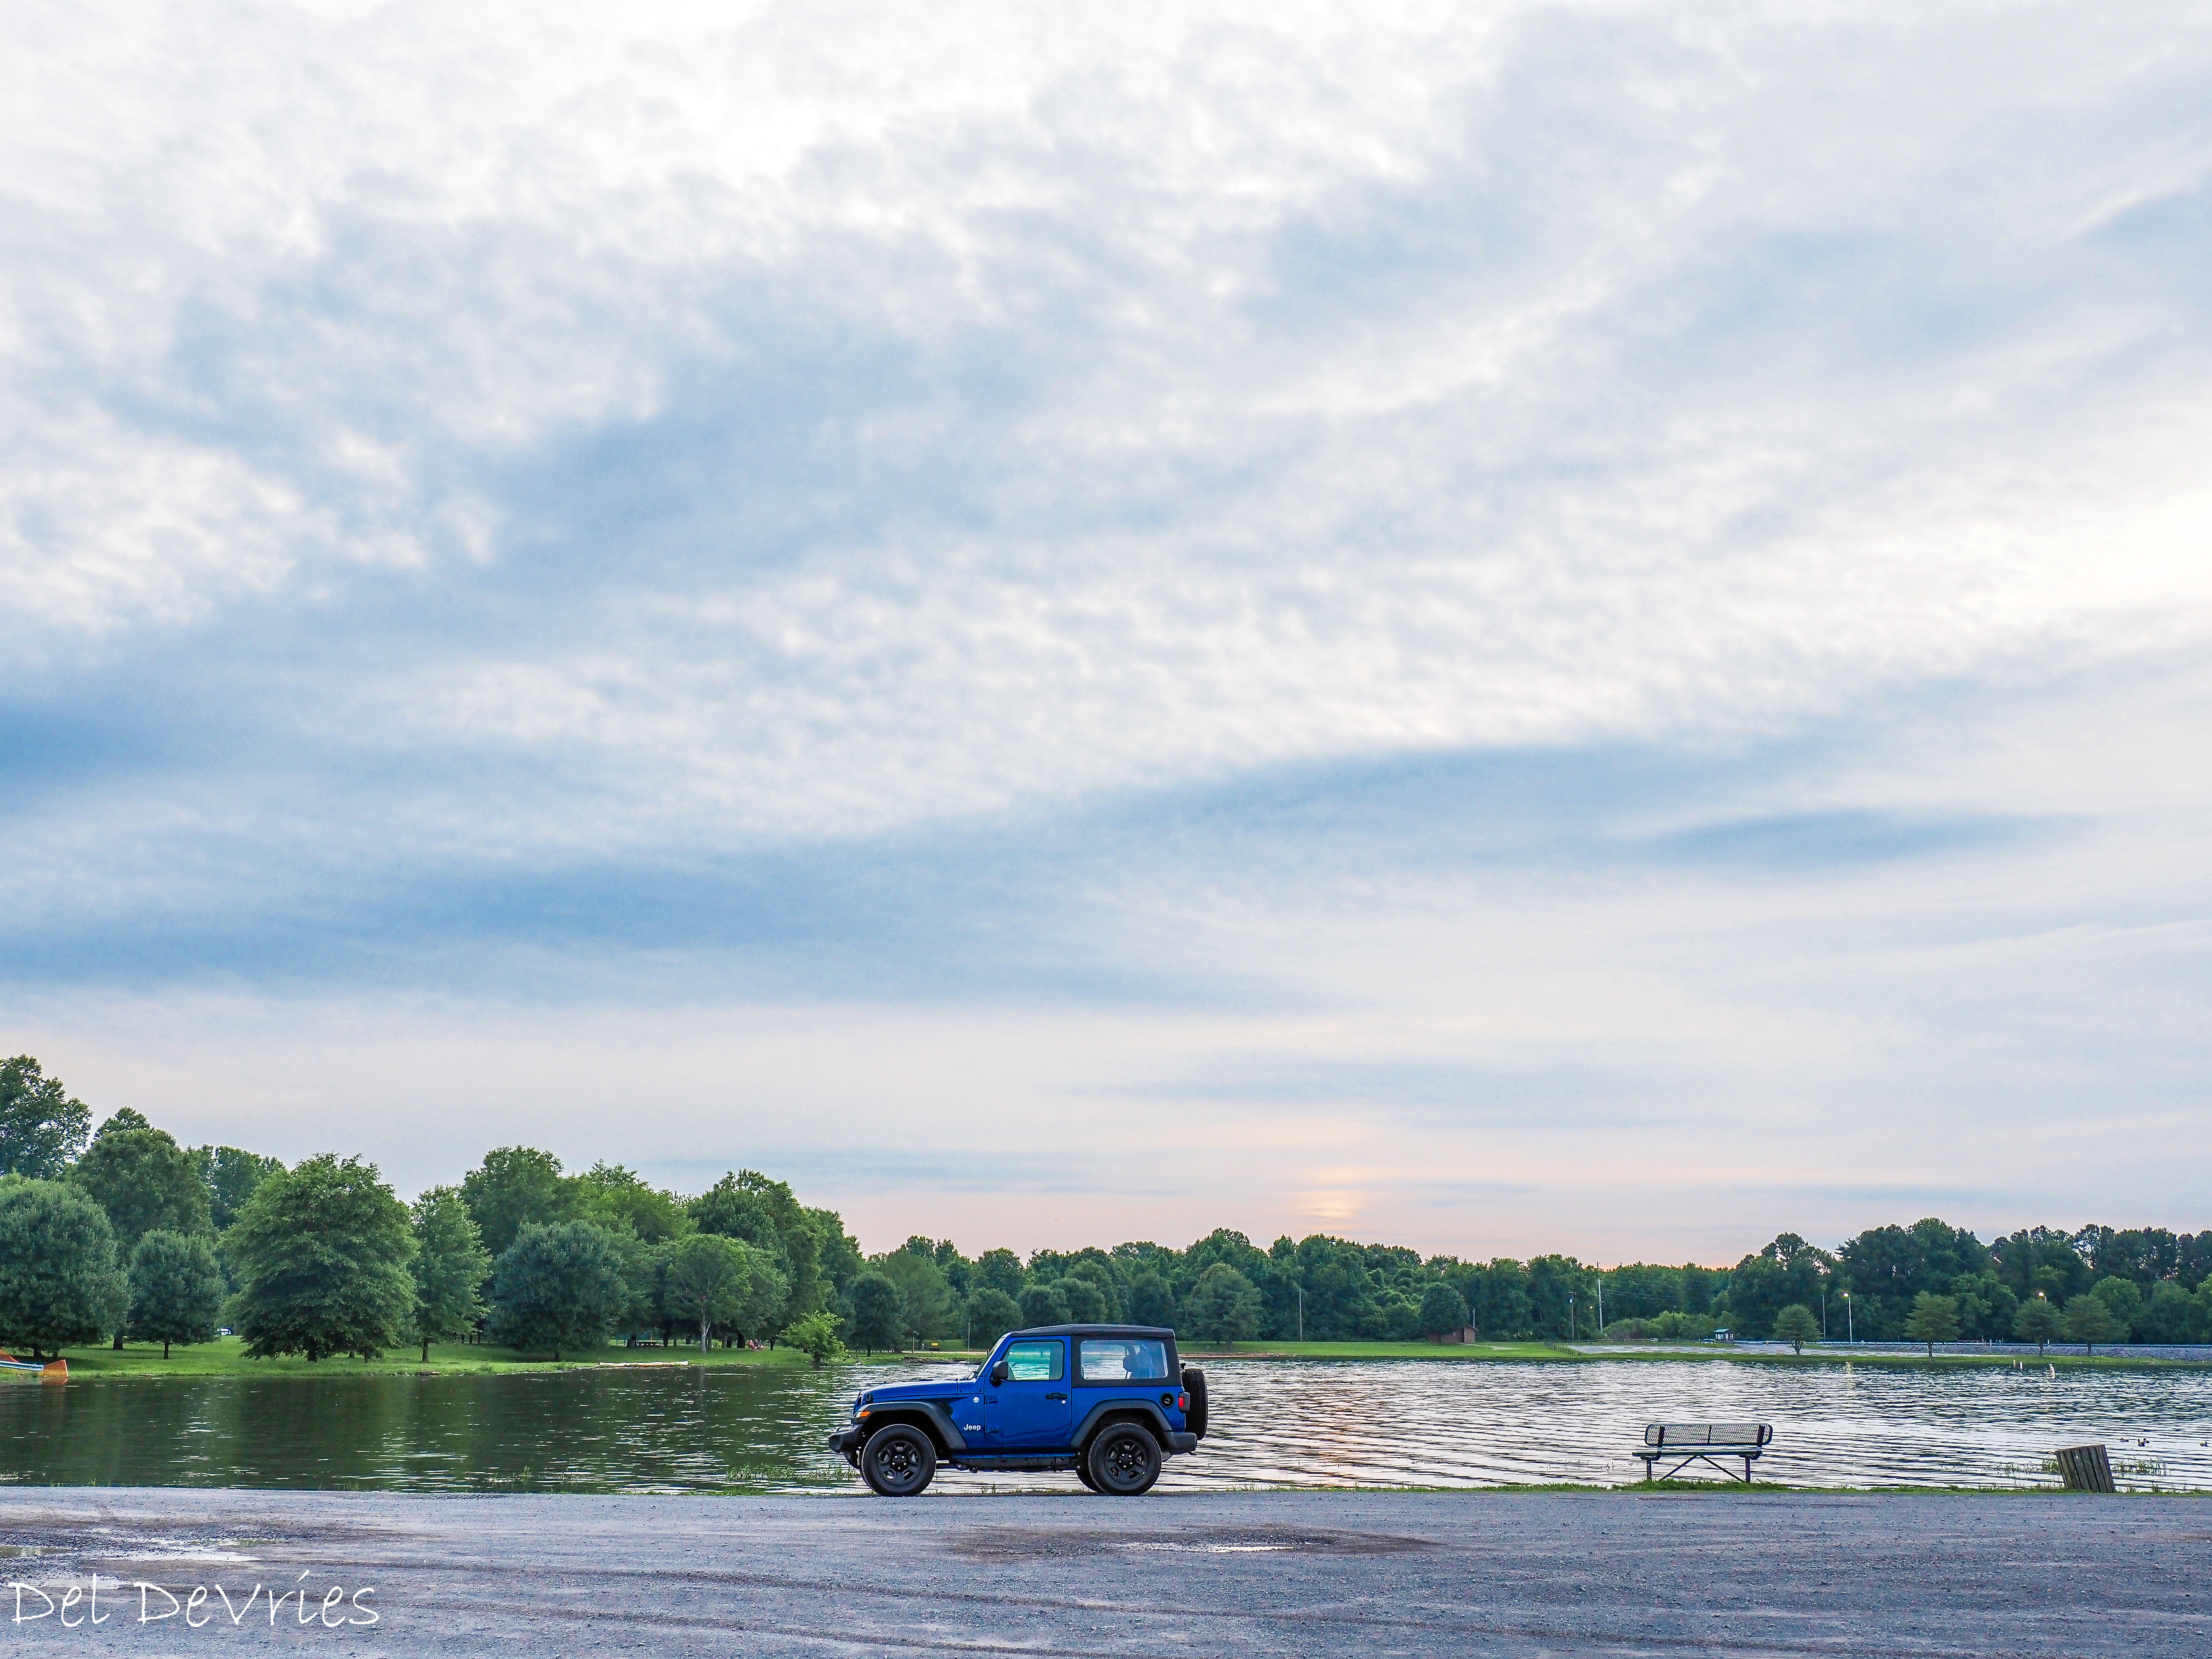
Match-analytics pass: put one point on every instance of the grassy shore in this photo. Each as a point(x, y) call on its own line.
point(1662, 1354)
point(226, 1358)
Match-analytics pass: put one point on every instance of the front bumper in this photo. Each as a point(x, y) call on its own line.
point(846, 1442)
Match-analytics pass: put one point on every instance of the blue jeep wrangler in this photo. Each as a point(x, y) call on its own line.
point(1108, 1402)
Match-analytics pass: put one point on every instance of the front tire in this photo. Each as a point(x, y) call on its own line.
point(898, 1462)
point(1083, 1473)
point(1123, 1461)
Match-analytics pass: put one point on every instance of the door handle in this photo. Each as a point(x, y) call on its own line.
point(1055, 1396)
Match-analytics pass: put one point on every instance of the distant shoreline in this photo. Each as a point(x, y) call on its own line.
point(225, 1358)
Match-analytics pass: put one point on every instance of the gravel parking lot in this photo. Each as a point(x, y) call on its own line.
point(1261, 1572)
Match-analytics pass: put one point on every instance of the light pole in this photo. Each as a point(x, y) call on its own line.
point(1571, 1316)
point(1824, 1310)
point(1302, 1311)
point(1850, 1335)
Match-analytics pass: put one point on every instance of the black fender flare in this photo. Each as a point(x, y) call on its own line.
point(932, 1418)
point(1114, 1410)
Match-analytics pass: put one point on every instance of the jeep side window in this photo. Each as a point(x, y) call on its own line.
point(1123, 1359)
point(1033, 1362)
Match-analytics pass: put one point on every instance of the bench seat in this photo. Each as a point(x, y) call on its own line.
point(1685, 1443)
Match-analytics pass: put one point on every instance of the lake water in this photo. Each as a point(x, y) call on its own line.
point(1276, 1423)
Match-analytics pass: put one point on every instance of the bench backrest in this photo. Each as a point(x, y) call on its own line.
point(1708, 1434)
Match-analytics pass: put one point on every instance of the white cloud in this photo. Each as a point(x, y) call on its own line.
point(510, 437)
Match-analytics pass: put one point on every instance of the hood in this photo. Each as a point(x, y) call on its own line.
point(944, 1388)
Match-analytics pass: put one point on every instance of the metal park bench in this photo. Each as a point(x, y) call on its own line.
point(1707, 1443)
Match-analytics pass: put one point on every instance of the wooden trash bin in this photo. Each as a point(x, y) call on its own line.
point(2086, 1468)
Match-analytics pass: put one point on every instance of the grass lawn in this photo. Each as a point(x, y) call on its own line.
point(1380, 1350)
point(224, 1358)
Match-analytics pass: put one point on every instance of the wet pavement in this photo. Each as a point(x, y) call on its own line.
point(1173, 1574)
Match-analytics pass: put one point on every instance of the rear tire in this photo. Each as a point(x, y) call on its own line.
point(898, 1462)
point(1123, 1461)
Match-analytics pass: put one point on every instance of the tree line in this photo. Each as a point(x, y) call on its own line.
point(126, 1234)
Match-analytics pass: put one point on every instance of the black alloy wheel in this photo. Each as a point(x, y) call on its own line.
point(898, 1462)
point(1124, 1460)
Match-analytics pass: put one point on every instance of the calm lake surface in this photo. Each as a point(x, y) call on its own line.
point(1276, 1423)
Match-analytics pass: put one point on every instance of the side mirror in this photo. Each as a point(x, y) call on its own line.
point(999, 1373)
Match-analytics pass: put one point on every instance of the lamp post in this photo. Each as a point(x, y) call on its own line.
point(1824, 1310)
point(1302, 1311)
point(1851, 1335)
point(1571, 1316)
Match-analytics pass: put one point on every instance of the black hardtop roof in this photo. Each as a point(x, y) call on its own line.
point(1095, 1330)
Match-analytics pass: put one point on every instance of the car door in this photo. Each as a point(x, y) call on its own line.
point(1031, 1406)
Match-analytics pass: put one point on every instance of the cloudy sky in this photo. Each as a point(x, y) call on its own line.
point(1503, 627)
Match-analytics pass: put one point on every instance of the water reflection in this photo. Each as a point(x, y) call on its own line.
point(1276, 1424)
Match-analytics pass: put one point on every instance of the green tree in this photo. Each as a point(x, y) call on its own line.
point(1000, 1271)
point(730, 1209)
point(1556, 1295)
point(450, 1265)
point(514, 1187)
point(176, 1289)
point(1787, 1270)
point(815, 1335)
point(59, 1282)
point(1987, 1305)
point(747, 1205)
point(2038, 1321)
point(556, 1289)
point(644, 1269)
point(1094, 1269)
point(231, 1176)
point(1444, 1309)
point(1223, 1306)
point(1087, 1303)
point(710, 1281)
point(801, 1241)
point(923, 1294)
point(2089, 1322)
point(1043, 1303)
point(840, 1259)
point(2122, 1300)
point(1885, 1267)
point(879, 1316)
point(1934, 1319)
point(2173, 1316)
point(1151, 1302)
point(1497, 1301)
point(144, 1181)
point(1339, 1283)
point(768, 1296)
point(1797, 1325)
point(617, 1200)
point(42, 1127)
point(990, 1313)
point(323, 1253)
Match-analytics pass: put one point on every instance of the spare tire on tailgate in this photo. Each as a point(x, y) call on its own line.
point(1194, 1384)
